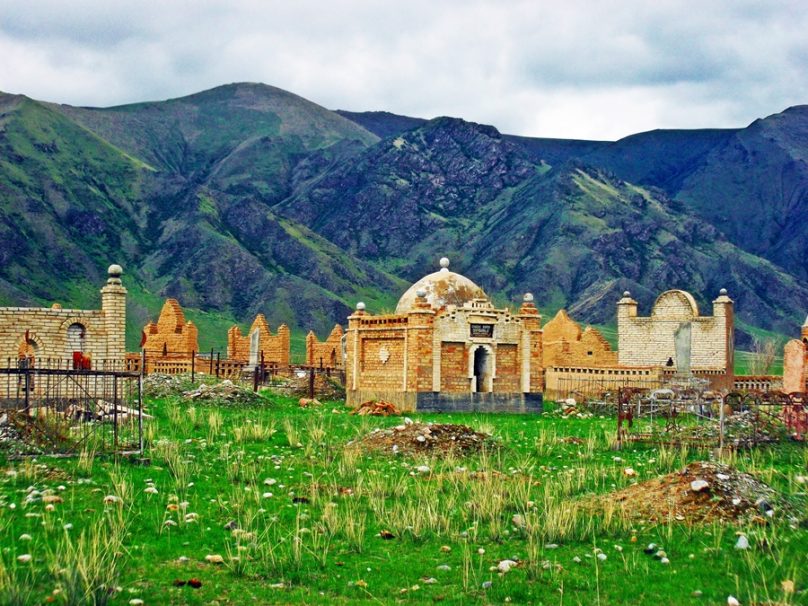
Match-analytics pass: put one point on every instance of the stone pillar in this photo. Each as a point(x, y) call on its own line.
point(285, 339)
point(420, 326)
point(626, 312)
point(352, 353)
point(530, 347)
point(113, 305)
point(723, 311)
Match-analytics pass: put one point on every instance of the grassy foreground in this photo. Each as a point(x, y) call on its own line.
point(291, 515)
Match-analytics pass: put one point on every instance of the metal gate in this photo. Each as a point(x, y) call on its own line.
point(59, 410)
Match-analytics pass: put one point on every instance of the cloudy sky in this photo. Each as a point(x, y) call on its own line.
point(561, 68)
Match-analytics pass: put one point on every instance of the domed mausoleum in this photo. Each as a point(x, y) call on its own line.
point(446, 348)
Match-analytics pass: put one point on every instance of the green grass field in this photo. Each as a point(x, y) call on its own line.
point(296, 518)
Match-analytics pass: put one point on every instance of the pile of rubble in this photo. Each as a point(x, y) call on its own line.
point(157, 385)
point(424, 438)
point(376, 408)
point(741, 429)
point(225, 393)
point(701, 492)
point(325, 388)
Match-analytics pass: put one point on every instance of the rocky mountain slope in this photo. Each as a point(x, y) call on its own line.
point(247, 198)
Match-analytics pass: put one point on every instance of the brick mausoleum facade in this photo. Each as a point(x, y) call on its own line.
point(677, 338)
point(795, 363)
point(446, 348)
point(59, 337)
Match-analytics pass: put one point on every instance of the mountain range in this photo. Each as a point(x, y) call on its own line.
point(246, 198)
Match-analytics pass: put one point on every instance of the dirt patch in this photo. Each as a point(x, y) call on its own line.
point(424, 438)
point(376, 408)
point(701, 492)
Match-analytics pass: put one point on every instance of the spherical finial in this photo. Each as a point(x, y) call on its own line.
point(420, 293)
point(360, 306)
point(444, 262)
point(723, 292)
point(115, 271)
point(528, 298)
point(626, 294)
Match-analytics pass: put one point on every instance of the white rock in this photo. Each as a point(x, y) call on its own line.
point(602, 557)
point(699, 485)
point(505, 566)
point(24, 558)
point(25, 537)
point(628, 471)
point(214, 559)
point(407, 421)
point(422, 469)
point(733, 601)
point(742, 543)
point(270, 481)
point(421, 439)
point(664, 561)
point(135, 602)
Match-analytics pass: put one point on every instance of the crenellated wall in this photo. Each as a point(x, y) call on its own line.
point(325, 353)
point(171, 334)
point(276, 348)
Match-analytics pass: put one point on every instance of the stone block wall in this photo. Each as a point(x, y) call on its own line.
point(325, 353)
point(276, 348)
point(50, 335)
point(171, 334)
point(651, 340)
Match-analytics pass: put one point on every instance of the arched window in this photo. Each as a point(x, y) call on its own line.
point(76, 334)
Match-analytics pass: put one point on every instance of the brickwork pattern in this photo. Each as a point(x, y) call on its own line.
point(171, 333)
point(102, 331)
point(276, 348)
point(795, 364)
point(564, 344)
point(650, 341)
point(325, 353)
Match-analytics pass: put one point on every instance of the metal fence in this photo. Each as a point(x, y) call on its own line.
point(708, 419)
point(49, 407)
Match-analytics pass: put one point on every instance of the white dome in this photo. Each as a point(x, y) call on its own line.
point(441, 288)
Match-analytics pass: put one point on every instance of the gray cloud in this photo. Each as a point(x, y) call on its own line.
point(587, 69)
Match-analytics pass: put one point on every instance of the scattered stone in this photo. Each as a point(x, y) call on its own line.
point(24, 558)
point(422, 469)
point(602, 557)
point(505, 566)
point(742, 543)
point(225, 393)
point(424, 438)
point(699, 485)
point(214, 559)
point(733, 601)
point(376, 408)
point(487, 585)
point(697, 593)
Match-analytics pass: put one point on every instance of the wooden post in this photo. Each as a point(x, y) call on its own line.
point(218, 362)
point(210, 372)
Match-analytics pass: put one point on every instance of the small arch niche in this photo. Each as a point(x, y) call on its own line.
point(76, 334)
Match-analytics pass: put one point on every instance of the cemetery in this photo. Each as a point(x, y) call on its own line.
point(452, 451)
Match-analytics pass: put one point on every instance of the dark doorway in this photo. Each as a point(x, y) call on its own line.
point(481, 369)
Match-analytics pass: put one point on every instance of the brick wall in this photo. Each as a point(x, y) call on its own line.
point(276, 348)
point(100, 334)
point(171, 333)
point(325, 353)
point(650, 341)
point(508, 375)
point(454, 363)
point(564, 344)
point(795, 366)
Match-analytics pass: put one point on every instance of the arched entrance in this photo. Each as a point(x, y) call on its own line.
point(482, 369)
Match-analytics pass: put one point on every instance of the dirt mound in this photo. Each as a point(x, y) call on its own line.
point(225, 393)
point(700, 492)
point(415, 438)
point(376, 408)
